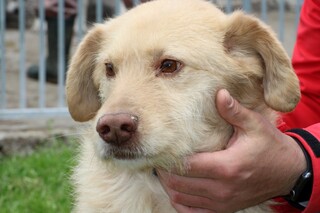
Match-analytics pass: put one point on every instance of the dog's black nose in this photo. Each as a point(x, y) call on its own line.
point(117, 128)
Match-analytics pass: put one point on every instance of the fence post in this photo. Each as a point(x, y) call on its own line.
point(247, 5)
point(42, 58)
point(264, 10)
point(136, 2)
point(61, 52)
point(229, 6)
point(3, 98)
point(22, 18)
point(297, 11)
point(281, 20)
point(99, 11)
point(80, 11)
point(117, 7)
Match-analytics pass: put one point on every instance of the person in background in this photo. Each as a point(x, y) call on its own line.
point(261, 162)
point(51, 11)
point(70, 12)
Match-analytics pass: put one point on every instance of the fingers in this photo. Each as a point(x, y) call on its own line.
point(188, 185)
point(207, 165)
point(186, 197)
point(70, 11)
point(187, 209)
point(70, 7)
point(52, 8)
point(233, 112)
point(182, 193)
point(71, 3)
point(200, 190)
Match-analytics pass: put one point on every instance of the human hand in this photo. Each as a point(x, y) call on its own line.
point(51, 7)
point(259, 163)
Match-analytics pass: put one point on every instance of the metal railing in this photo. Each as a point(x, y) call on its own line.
point(41, 109)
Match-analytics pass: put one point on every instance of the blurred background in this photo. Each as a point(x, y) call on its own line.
point(37, 135)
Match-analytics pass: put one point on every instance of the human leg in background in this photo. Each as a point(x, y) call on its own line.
point(51, 70)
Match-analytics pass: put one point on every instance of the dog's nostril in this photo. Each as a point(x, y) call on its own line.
point(105, 130)
point(127, 127)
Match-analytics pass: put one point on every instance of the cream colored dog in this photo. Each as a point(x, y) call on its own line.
point(147, 82)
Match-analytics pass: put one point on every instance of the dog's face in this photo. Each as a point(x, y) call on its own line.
point(148, 79)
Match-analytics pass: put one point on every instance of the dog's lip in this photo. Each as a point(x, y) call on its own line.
point(124, 154)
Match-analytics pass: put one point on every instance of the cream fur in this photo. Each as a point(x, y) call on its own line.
point(177, 114)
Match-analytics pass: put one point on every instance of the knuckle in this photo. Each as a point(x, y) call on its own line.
point(230, 171)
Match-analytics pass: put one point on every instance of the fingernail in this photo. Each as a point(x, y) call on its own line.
point(229, 98)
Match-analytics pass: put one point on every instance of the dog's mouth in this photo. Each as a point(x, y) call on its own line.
point(124, 154)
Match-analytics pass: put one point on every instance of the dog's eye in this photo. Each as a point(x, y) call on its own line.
point(169, 66)
point(110, 70)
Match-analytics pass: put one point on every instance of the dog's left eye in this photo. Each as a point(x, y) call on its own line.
point(169, 66)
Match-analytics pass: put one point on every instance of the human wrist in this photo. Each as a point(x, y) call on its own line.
point(298, 163)
point(301, 191)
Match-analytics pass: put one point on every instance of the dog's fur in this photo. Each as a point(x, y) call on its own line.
point(176, 111)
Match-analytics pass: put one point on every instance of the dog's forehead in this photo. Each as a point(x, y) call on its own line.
point(164, 26)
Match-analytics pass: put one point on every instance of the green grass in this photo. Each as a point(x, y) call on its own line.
point(38, 182)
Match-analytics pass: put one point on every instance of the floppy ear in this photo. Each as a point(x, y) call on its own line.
point(280, 83)
point(82, 94)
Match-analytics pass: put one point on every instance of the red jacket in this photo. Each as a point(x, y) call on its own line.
point(306, 62)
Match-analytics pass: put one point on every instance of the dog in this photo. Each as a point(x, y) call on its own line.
point(145, 83)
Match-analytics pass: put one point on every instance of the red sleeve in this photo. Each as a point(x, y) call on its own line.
point(309, 138)
point(306, 62)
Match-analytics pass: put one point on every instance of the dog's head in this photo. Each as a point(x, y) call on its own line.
point(148, 78)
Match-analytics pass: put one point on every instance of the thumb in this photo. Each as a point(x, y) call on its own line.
point(233, 112)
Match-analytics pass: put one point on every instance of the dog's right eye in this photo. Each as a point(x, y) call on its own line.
point(169, 67)
point(110, 70)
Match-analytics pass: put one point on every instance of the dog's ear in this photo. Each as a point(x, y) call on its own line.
point(82, 94)
point(280, 83)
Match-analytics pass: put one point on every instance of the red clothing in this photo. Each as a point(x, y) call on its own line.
point(306, 62)
point(312, 146)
